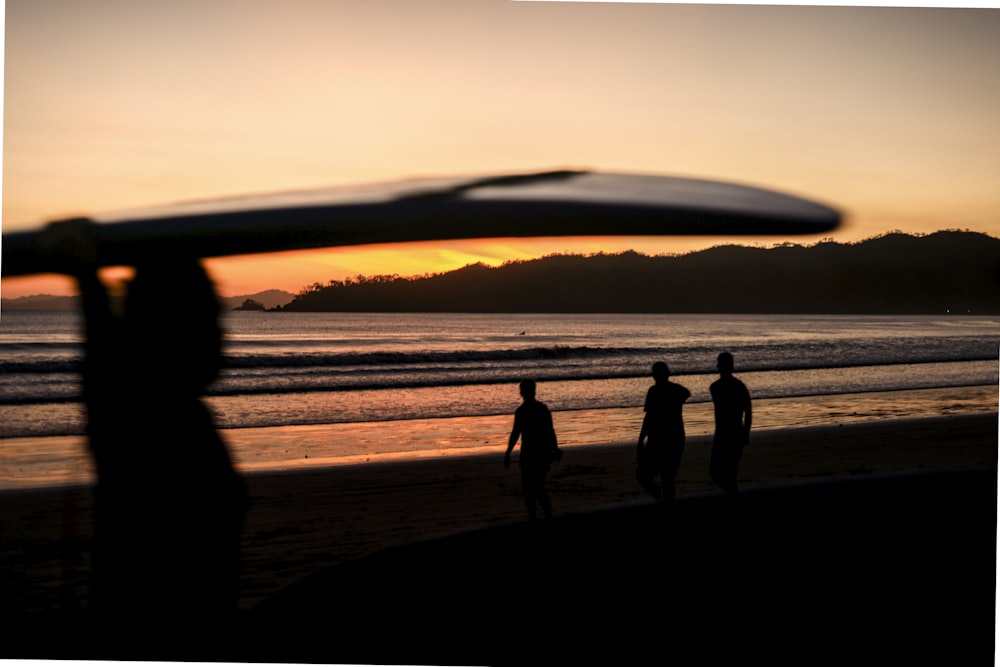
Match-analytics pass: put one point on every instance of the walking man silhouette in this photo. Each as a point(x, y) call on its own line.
point(539, 448)
point(661, 438)
point(733, 417)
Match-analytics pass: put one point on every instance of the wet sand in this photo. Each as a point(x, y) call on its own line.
point(306, 520)
point(300, 521)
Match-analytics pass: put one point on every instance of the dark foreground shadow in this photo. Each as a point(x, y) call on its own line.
point(878, 569)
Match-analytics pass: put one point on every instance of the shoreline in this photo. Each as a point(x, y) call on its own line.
point(304, 520)
point(59, 461)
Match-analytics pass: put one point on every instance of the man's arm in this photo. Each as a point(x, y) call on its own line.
point(73, 243)
point(556, 452)
point(747, 414)
point(643, 430)
point(515, 433)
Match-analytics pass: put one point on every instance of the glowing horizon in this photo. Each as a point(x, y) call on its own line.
point(293, 271)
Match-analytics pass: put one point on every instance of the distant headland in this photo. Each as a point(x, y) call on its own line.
point(955, 272)
point(947, 272)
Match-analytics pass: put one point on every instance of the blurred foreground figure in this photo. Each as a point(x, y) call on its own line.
point(169, 505)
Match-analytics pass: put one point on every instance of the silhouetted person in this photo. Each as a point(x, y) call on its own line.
point(169, 505)
point(661, 438)
point(539, 448)
point(733, 418)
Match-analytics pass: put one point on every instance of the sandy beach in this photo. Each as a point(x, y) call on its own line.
point(308, 519)
point(303, 521)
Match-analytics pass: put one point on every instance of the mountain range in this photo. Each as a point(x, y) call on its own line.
point(954, 272)
point(944, 272)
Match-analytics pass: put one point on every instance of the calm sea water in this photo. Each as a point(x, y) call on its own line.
point(322, 368)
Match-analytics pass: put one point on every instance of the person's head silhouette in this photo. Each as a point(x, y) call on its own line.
point(527, 388)
point(171, 317)
point(661, 372)
point(725, 363)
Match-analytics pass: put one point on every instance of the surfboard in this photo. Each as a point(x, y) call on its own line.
point(544, 204)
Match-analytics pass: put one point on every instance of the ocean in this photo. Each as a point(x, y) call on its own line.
point(400, 370)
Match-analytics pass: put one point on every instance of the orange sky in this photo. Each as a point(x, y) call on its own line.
point(888, 114)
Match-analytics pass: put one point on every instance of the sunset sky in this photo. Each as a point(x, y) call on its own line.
point(888, 114)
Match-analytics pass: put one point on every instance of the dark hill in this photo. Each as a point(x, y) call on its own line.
point(956, 272)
